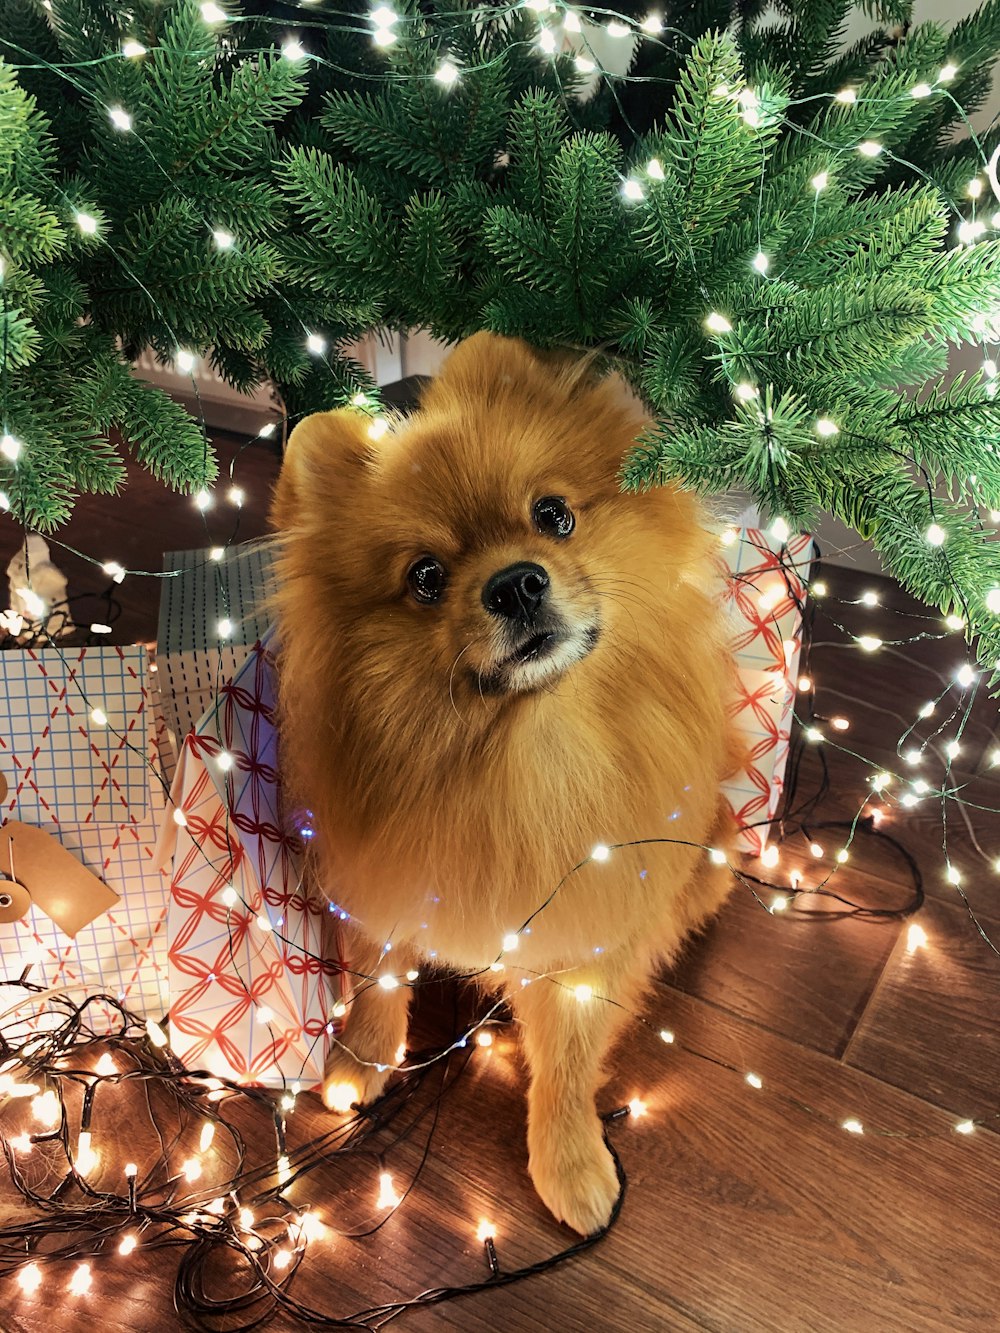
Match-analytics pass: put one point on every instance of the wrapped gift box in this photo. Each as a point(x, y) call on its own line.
point(254, 953)
point(96, 787)
point(764, 590)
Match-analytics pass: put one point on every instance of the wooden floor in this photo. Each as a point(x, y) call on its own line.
point(746, 1209)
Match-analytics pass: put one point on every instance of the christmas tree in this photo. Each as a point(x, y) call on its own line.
point(776, 240)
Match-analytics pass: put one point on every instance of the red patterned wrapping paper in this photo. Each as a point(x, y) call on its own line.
point(764, 590)
point(254, 954)
point(96, 787)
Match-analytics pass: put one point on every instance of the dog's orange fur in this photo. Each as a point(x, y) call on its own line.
point(445, 815)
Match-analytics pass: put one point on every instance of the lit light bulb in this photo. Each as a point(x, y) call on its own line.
point(46, 1109)
point(378, 428)
point(225, 628)
point(246, 1218)
point(954, 622)
point(637, 1108)
point(600, 852)
point(816, 849)
point(813, 734)
point(387, 1196)
point(106, 1065)
point(818, 588)
point(99, 717)
point(191, 1169)
point(839, 723)
point(921, 90)
point(616, 29)
point(935, 535)
point(819, 181)
point(826, 427)
point(388, 982)
point(185, 362)
point(446, 73)
point(21, 1143)
point(869, 599)
point(869, 643)
point(485, 1231)
point(155, 1033)
point(770, 856)
point(583, 992)
point(652, 24)
point(779, 904)
point(311, 1227)
point(993, 601)
point(483, 1039)
point(947, 72)
point(805, 684)
point(755, 1080)
point(927, 709)
point(916, 938)
point(965, 1126)
point(224, 760)
point(119, 118)
point(114, 570)
point(974, 188)
point(10, 447)
point(717, 856)
point(780, 530)
point(761, 262)
point(264, 923)
point(293, 50)
point(666, 1036)
point(412, 975)
point(633, 190)
point(203, 500)
point(953, 875)
point(229, 896)
point(86, 1158)
point(384, 16)
point(29, 1278)
point(315, 344)
point(965, 676)
point(510, 942)
point(846, 96)
point(654, 169)
point(718, 323)
point(132, 48)
point(547, 41)
point(869, 148)
point(746, 392)
point(908, 799)
point(584, 64)
point(913, 756)
point(853, 1126)
point(282, 1258)
point(224, 240)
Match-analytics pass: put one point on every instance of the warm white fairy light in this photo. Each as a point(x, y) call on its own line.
point(637, 1108)
point(131, 1170)
point(484, 1039)
point(191, 1169)
point(79, 1283)
point(264, 923)
point(211, 13)
point(132, 48)
point(128, 1243)
point(21, 1143)
point(965, 676)
point(993, 601)
point(113, 570)
point(947, 72)
point(816, 849)
point(652, 24)
point(246, 1218)
point(229, 896)
point(510, 942)
point(282, 1258)
point(843, 856)
point(770, 856)
point(846, 96)
point(921, 90)
point(224, 628)
point(633, 190)
point(446, 73)
point(913, 756)
point(718, 323)
point(584, 64)
point(826, 427)
point(974, 188)
point(155, 1033)
point(265, 1015)
point(989, 369)
point(378, 428)
point(600, 852)
point(547, 41)
point(750, 113)
point(388, 982)
point(315, 344)
point(869, 643)
point(46, 1109)
point(780, 530)
point(818, 588)
point(916, 938)
point(384, 16)
point(954, 622)
point(746, 393)
point(994, 758)
point(616, 29)
point(853, 1126)
point(106, 1065)
point(953, 875)
point(571, 21)
point(755, 1080)
point(86, 1158)
point(869, 148)
point(760, 262)
point(717, 856)
point(969, 231)
point(840, 723)
point(10, 447)
point(284, 1170)
point(29, 1278)
point(654, 169)
point(819, 181)
point(224, 240)
point(965, 1127)
point(583, 992)
point(412, 975)
point(779, 904)
point(184, 361)
point(224, 760)
point(99, 717)
point(383, 37)
point(98, 628)
point(869, 598)
point(119, 118)
point(293, 50)
point(387, 1196)
point(203, 500)
point(921, 787)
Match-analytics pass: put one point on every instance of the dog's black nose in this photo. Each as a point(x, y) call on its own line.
point(516, 592)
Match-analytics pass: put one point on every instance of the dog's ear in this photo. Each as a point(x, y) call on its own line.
point(487, 366)
point(322, 453)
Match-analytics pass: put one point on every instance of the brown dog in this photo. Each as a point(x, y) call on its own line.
point(492, 661)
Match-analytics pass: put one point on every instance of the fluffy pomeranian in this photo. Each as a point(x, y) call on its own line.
point(495, 666)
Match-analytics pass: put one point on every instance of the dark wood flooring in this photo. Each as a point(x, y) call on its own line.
point(746, 1209)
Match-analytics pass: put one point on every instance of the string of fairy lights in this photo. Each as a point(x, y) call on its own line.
point(180, 1198)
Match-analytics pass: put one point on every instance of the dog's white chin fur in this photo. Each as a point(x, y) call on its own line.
point(531, 675)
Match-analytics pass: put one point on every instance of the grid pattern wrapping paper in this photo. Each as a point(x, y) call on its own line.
point(97, 788)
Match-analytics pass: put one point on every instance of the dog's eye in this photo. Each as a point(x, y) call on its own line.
point(553, 516)
point(427, 579)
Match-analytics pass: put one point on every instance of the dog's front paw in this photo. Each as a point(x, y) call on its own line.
point(575, 1177)
point(349, 1081)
